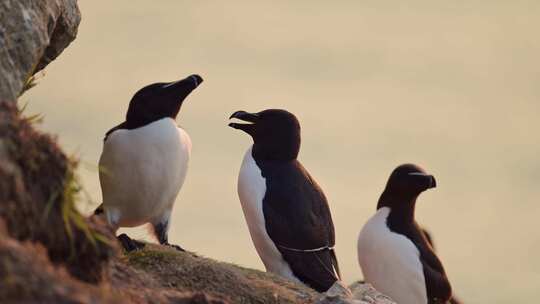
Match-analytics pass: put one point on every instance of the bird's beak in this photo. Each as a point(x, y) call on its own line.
point(251, 118)
point(433, 183)
point(426, 180)
point(182, 88)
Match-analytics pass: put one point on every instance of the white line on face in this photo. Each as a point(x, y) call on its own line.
point(195, 80)
point(418, 173)
point(170, 84)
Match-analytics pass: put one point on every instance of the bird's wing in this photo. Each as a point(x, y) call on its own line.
point(120, 126)
point(298, 221)
point(437, 286)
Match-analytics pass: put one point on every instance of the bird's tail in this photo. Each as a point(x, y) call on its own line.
point(334, 272)
point(317, 268)
point(335, 263)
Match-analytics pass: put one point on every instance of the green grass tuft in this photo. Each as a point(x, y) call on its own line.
point(70, 193)
point(28, 84)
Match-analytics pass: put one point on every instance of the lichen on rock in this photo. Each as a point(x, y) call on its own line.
point(38, 188)
point(357, 293)
point(32, 34)
point(186, 271)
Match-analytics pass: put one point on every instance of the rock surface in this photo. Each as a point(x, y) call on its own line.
point(167, 269)
point(32, 34)
point(38, 188)
point(28, 276)
point(38, 192)
point(358, 293)
point(368, 294)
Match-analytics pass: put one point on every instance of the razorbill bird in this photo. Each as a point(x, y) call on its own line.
point(286, 211)
point(393, 251)
point(145, 159)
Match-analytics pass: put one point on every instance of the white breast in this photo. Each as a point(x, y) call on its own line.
point(390, 261)
point(142, 171)
point(251, 190)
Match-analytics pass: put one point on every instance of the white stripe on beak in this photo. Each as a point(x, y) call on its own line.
point(195, 80)
point(170, 84)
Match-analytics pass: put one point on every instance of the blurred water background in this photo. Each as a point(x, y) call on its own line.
point(453, 86)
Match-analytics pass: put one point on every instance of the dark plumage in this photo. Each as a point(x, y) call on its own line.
point(145, 159)
point(409, 271)
point(144, 107)
point(404, 185)
point(429, 238)
point(296, 215)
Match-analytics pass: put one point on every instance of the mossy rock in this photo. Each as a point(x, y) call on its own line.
point(38, 190)
point(184, 271)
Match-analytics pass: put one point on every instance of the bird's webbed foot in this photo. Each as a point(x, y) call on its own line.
point(129, 244)
point(175, 247)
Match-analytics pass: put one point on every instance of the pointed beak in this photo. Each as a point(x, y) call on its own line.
point(196, 79)
point(251, 118)
point(426, 181)
point(182, 88)
point(433, 182)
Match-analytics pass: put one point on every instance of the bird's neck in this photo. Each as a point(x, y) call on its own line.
point(137, 121)
point(401, 208)
point(263, 153)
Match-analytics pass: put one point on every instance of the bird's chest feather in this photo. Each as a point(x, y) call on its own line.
point(390, 261)
point(144, 167)
point(251, 190)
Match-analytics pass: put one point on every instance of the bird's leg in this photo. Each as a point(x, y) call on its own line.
point(161, 230)
point(99, 210)
point(129, 244)
point(111, 216)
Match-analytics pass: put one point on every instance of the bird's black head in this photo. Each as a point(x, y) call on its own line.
point(159, 100)
point(404, 185)
point(275, 133)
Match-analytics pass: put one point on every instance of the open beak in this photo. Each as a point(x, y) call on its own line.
point(251, 118)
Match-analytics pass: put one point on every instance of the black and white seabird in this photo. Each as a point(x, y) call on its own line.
point(286, 211)
point(145, 160)
point(393, 252)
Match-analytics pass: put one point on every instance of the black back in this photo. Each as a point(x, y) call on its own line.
point(404, 185)
point(297, 217)
point(157, 101)
point(295, 208)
